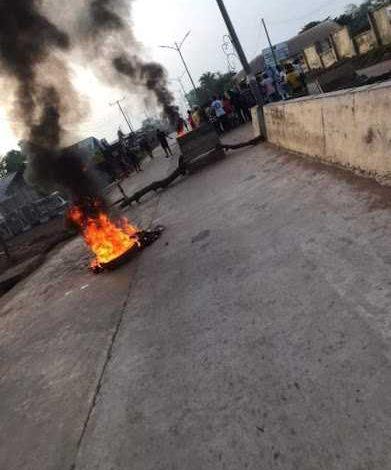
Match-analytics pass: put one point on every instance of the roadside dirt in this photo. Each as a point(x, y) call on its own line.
point(37, 241)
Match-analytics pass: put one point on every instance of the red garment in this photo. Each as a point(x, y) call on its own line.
point(180, 130)
point(191, 122)
point(228, 108)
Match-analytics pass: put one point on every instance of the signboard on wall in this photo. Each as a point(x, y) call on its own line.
point(281, 52)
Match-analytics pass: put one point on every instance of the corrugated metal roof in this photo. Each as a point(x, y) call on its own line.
point(257, 66)
point(319, 32)
point(296, 45)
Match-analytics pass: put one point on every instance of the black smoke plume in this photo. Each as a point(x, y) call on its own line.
point(30, 54)
point(34, 51)
point(106, 30)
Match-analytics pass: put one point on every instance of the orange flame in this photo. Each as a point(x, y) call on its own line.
point(108, 241)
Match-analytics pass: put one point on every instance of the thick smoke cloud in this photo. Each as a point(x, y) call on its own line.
point(34, 52)
point(31, 54)
point(109, 37)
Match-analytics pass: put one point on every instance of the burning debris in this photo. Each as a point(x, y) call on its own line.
point(112, 243)
point(33, 52)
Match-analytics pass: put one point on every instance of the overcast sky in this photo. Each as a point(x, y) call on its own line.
point(159, 22)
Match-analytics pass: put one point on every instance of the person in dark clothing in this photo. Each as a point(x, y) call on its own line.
point(133, 158)
point(240, 103)
point(247, 101)
point(162, 138)
point(122, 154)
point(109, 159)
point(127, 155)
point(146, 147)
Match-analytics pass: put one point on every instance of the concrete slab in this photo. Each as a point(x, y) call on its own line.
point(256, 332)
point(57, 328)
point(259, 336)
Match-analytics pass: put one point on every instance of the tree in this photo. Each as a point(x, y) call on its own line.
point(355, 16)
point(309, 25)
point(211, 83)
point(208, 81)
point(13, 161)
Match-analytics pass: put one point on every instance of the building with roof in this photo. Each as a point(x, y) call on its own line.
point(88, 148)
point(22, 207)
point(257, 66)
point(317, 34)
point(291, 49)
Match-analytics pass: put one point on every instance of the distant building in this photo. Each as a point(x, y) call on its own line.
point(22, 207)
point(292, 48)
point(91, 151)
point(281, 52)
point(319, 34)
point(15, 193)
point(257, 66)
point(88, 147)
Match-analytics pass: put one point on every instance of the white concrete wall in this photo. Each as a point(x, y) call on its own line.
point(365, 41)
point(312, 58)
point(350, 127)
point(383, 20)
point(344, 44)
point(328, 58)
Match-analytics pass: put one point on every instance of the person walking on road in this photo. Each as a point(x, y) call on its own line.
point(220, 114)
point(134, 161)
point(162, 138)
point(146, 147)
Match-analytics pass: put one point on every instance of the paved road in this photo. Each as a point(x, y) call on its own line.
point(254, 335)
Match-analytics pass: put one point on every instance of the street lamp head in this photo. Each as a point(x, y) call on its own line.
point(168, 47)
point(184, 39)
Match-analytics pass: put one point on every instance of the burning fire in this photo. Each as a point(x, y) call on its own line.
point(106, 239)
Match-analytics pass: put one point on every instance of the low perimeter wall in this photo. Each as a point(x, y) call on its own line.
point(350, 127)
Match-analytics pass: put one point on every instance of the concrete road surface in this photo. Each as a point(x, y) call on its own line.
point(254, 335)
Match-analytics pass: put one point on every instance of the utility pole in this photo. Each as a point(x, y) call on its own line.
point(242, 56)
point(270, 43)
point(179, 80)
point(118, 103)
point(178, 48)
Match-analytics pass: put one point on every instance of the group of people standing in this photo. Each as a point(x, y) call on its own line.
point(224, 112)
point(230, 110)
point(120, 161)
point(283, 82)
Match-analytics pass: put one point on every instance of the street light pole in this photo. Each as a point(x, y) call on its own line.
point(186, 67)
point(270, 43)
point(242, 56)
point(118, 103)
point(179, 80)
point(178, 48)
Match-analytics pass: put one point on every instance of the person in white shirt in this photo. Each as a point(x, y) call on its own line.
point(269, 88)
point(218, 109)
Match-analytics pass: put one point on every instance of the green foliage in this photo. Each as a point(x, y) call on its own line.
point(12, 162)
point(355, 16)
point(210, 84)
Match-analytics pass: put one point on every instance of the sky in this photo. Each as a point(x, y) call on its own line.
point(162, 22)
